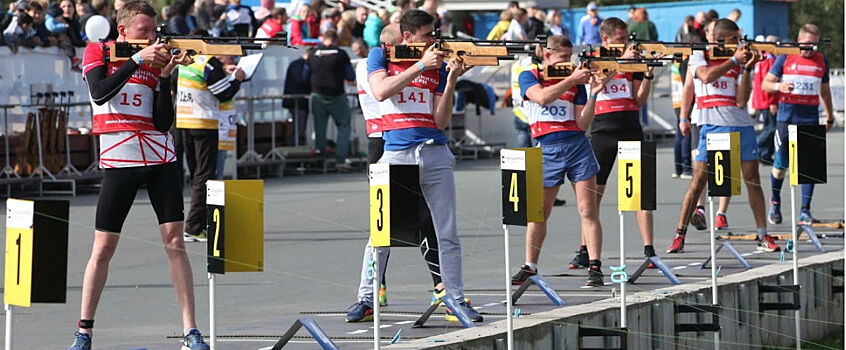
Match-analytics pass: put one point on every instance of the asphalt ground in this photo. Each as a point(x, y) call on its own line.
point(315, 230)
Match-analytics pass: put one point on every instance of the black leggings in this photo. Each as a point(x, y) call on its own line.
point(118, 189)
point(375, 148)
point(605, 148)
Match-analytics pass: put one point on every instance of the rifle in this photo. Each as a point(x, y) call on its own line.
point(472, 51)
point(677, 50)
point(721, 50)
point(194, 45)
point(607, 65)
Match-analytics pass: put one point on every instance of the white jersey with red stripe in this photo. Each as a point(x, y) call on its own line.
point(617, 96)
point(806, 74)
point(560, 115)
point(128, 137)
point(717, 101)
point(412, 107)
point(369, 105)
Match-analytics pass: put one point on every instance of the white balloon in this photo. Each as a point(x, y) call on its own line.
point(97, 28)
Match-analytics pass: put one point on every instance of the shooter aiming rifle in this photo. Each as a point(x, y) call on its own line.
point(194, 45)
point(653, 48)
point(605, 66)
point(472, 51)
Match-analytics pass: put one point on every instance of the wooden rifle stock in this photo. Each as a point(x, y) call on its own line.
point(472, 52)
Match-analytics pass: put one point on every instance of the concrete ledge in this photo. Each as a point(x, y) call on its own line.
point(651, 318)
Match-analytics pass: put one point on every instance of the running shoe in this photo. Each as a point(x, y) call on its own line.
point(559, 202)
point(437, 296)
point(194, 341)
point(805, 218)
point(359, 312)
point(383, 296)
point(678, 244)
point(81, 341)
point(721, 222)
point(686, 176)
point(580, 261)
point(768, 244)
point(595, 276)
point(675, 176)
point(774, 216)
point(203, 236)
point(698, 219)
point(468, 310)
point(523, 275)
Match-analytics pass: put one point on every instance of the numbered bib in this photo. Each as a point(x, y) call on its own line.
point(130, 109)
point(617, 88)
point(803, 84)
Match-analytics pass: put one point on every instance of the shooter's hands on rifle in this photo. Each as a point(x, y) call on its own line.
point(598, 81)
point(658, 56)
point(757, 56)
point(432, 59)
point(631, 52)
point(156, 55)
point(457, 67)
point(183, 59)
point(580, 76)
point(742, 54)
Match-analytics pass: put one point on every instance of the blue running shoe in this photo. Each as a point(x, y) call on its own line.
point(360, 312)
point(774, 216)
point(805, 218)
point(469, 310)
point(81, 341)
point(194, 341)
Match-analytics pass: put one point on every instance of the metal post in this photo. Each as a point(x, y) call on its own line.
point(376, 284)
point(7, 170)
point(622, 266)
point(795, 260)
point(212, 331)
point(9, 326)
point(296, 122)
point(509, 316)
point(714, 294)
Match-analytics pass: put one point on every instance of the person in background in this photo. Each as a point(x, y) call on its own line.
point(699, 24)
point(361, 13)
point(687, 32)
point(274, 24)
point(328, 68)
point(20, 32)
point(681, 144)
point(359, 48)
point(345, 28)
point(641, 26)
point(330, 20)
point(501, 27)
point(83, 7)
point(227, 127)
point(403, 5)
point(241, 19)
point(515, 28)
point(180, 21)
point(372, 28)
point(734, 16)
point(34, 10)
point(554, 27)
point(263, 12)
point(532, 26)
point(299, 30)
point(589, 25)
point(766, 106)
point(630, 14)
point(297, 84)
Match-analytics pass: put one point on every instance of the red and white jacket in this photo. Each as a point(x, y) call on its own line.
point(617, 96)
point(560, 115)
point(806, 74)
point(369, 105)
point(412, 107)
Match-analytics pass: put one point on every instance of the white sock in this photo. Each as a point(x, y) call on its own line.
point(533, 266)
point(721, 213)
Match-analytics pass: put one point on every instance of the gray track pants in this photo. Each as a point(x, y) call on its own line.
point(437, 181)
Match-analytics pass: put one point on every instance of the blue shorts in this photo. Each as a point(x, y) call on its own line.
point(748, 142)
point(573, 157)
point(781, 159)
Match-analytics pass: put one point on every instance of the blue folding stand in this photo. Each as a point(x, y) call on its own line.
point(660, 265)
point(812, 236)
point(319, 335)
point(452, 305)
point(539, 281)
point(730, 248)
